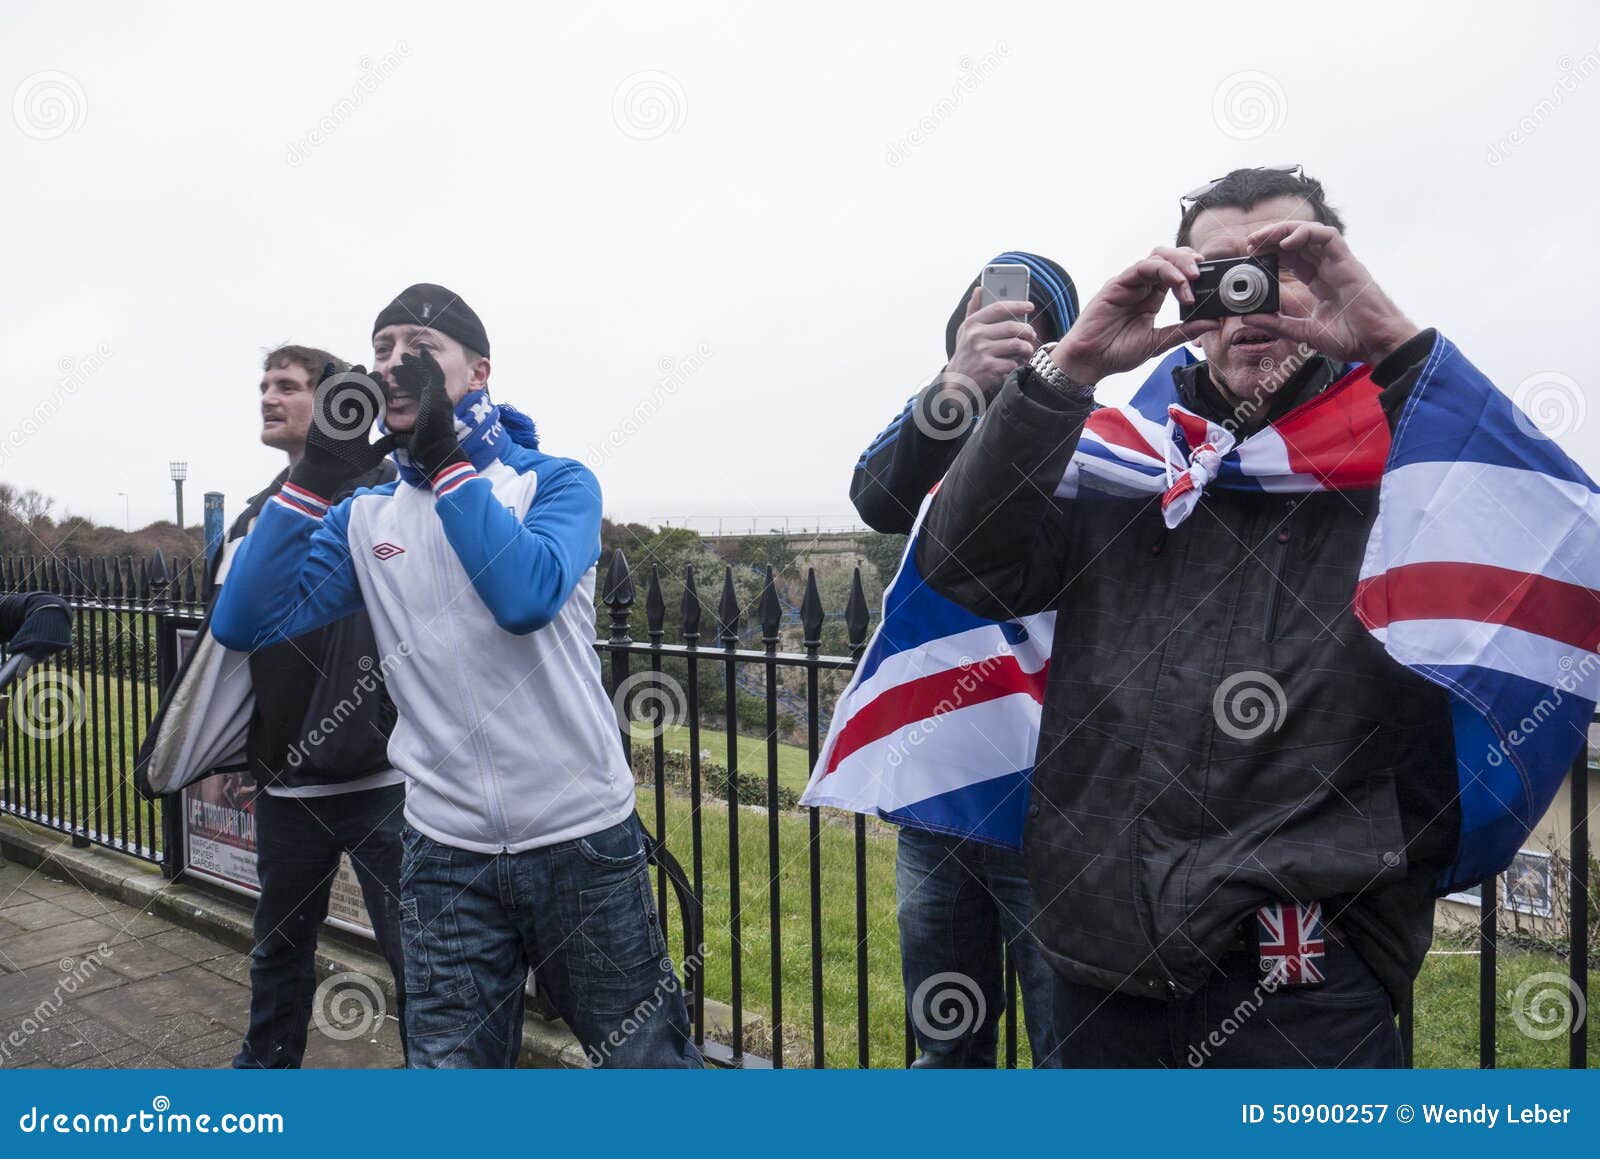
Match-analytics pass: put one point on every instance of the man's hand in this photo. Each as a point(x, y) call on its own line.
point(433, 444)
point(1353, 320)
point(992, 341)
point(1117, 329)
point(342, 413)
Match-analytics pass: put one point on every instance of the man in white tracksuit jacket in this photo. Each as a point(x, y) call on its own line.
point(476, 568)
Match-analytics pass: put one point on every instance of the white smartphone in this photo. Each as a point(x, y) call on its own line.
point(1004, 283)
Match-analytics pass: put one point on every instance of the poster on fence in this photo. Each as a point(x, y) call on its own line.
point(219, 828)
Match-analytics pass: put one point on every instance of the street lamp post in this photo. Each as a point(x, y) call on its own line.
point(180, 472)
point(127, 511)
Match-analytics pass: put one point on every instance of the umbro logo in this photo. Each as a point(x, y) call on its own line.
point(387, 550)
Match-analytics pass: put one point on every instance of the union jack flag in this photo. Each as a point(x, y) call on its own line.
point(1292, 943)
point(1481, 573)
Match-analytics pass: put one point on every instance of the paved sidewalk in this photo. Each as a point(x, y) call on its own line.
point(87, 981)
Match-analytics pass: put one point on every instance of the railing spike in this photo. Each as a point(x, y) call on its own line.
point(771, 612)
point(655, 606)
point(619, 581)
point(728, 611)
point(855, 614)
point(811, 614)
point(619, 596)
point(690, 606)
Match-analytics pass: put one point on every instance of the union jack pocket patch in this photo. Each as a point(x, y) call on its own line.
point(1292, 943)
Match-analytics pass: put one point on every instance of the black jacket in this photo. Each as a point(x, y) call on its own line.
point(322, 713)
point(1154, 832)
point(908, 457)
point(36, 623)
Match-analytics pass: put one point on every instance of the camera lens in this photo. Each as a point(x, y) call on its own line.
point(1244, 288)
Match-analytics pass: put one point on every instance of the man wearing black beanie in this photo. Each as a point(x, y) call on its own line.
point(522, 847)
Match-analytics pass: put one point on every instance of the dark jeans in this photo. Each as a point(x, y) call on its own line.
point(1236, 1021)
point(298, 843)
point(959, 902)
point(581, 913)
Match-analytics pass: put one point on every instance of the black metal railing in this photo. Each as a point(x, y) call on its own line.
point(75, 725)
point(799, 953)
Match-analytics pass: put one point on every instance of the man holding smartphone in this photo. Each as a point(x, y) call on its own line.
point(961, 900)
point(522, 847)
point(1176, 852)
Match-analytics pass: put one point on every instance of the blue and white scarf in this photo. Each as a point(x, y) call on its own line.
point(483, 428)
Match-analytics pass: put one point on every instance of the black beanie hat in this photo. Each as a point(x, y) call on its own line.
point(425, 304)
point(1054, 296)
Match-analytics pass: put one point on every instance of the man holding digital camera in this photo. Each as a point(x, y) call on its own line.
point(1187, 869)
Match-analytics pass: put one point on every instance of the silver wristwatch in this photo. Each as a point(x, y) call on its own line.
point(1057, 379)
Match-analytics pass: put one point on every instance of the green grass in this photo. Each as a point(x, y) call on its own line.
point(794, 767)
point(83, 775)
point(886, 1025)
point(1447, 991)
point(1447, 1011)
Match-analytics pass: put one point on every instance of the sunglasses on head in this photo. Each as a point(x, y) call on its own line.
point(1200, 191)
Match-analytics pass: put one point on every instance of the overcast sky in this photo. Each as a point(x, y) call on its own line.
point(715, 246)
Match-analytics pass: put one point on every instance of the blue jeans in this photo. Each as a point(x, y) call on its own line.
point(1235, 1020)
point(581, 914)
point(959, 901)
point(298, 842)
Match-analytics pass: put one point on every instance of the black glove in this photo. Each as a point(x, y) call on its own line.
point(337, 451)
point(36, 624)
point(434, 445)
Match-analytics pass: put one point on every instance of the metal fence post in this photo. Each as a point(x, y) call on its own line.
point(173, 858)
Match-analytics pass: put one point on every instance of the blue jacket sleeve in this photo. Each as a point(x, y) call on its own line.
point(523, 571)
point(291, 574)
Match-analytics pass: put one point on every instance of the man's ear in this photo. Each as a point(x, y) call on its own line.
point(480, 374)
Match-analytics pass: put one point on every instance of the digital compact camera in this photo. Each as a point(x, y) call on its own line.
point(1230, 286)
